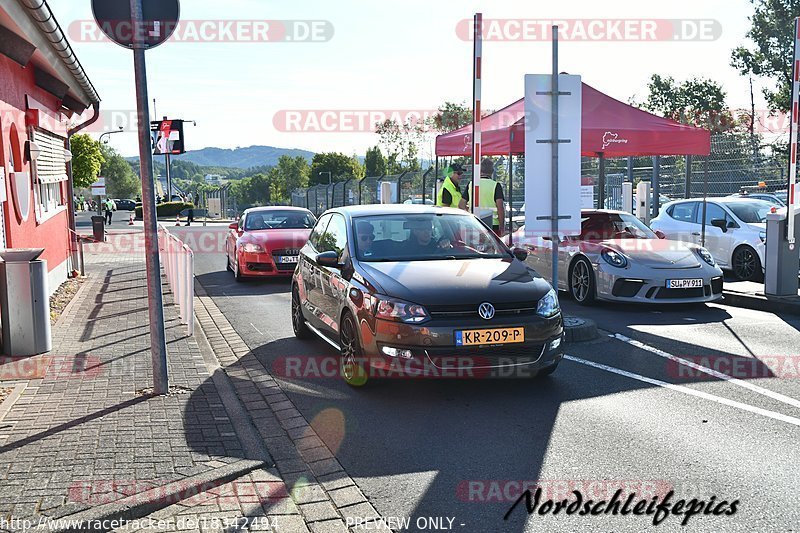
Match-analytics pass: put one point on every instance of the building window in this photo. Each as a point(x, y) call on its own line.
point(50, 171)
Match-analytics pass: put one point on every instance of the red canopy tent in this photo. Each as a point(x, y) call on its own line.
point(610, 128)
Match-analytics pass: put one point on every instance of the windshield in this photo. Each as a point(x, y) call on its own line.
point(424, 237)
point(751, 212)
point(602, 226)
point(278, 220)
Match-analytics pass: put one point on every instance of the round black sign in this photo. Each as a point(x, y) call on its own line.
point(114, 18)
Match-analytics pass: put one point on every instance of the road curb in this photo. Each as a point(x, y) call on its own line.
point(770, 304)
point(577, 329)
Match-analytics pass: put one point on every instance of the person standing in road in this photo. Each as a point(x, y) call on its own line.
point(450, 193)
point(109, 207)
point(491, 194)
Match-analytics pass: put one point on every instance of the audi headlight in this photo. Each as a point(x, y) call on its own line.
point(614, 258)
point(548, 305)
point(399, 310)
point(253, 248)
point(706, 256)
point(763, 236)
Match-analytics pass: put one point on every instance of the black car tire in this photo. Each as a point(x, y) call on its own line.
point(351, 365)
point(237, 274)
point(299, 325)
point(746, 264)
point(228, 262)
point(581, 282)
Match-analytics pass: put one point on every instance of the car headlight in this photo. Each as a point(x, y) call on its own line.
point(399, 310)
point(763, 236)
point(614, 258)
point(548, 305)
point(253, 248)
point(706, 256)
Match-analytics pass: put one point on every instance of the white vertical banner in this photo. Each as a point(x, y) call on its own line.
point(476, 110)
point(793, 199)
point(539, 156)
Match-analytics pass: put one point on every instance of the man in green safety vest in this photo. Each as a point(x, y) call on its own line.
point(450, 193)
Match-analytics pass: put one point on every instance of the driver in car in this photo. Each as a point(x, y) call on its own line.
point(420, 239)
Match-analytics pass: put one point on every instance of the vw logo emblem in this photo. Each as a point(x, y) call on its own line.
point(486, 311)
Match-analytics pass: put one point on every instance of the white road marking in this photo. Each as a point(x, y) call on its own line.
point(686, 390)
point(710, 371)
point(255, 328)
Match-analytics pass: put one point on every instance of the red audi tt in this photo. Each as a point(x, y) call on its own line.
point(266, 241)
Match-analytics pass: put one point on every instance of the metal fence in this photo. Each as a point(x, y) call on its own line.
point(734, 164)
point(178, 261)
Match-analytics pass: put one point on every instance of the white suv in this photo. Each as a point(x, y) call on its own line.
point(736, 230)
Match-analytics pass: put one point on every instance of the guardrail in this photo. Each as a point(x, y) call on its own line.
point(178, 261)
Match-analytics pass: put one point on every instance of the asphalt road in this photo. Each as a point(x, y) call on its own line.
point(625, 410)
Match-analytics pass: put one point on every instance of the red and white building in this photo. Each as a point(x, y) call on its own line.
point(44, 93)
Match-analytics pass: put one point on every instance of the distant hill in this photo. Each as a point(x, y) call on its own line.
point(252, 156)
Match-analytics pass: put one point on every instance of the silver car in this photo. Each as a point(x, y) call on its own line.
point(616, 257)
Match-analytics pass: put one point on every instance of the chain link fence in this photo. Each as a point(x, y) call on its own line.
point(735, 163)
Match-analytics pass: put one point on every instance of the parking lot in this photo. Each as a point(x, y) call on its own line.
point(645, 406)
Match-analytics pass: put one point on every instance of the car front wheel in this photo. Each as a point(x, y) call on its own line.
point(746, 264)
point(352, 357)
point(581, 282)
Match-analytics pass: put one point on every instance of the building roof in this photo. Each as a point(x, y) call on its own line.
point(37, 38)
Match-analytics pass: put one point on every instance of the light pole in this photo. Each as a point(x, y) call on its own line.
point(108, 133)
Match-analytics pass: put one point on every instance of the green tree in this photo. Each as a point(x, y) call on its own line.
point(291, 173)
point(451, 116)
point(772, 36)
point(402, 142)
point(121, 182)
point(698, 102)
point(339, 165)
point(374, 162)
point(86, 160)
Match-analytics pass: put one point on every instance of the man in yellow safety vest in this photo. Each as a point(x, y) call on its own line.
point(450, 193)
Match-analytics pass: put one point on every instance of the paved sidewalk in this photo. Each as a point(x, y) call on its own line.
point(84, 440)
point(84, 431)
point(751, 295)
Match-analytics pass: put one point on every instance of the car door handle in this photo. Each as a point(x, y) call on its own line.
point(696, 233)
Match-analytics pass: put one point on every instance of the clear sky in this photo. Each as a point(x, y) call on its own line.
point(387, 56)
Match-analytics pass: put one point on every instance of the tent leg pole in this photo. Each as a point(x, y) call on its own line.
point(510, 198)
point(601, 193)
point(687, 189)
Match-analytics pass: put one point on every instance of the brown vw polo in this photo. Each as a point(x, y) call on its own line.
point(423, 291)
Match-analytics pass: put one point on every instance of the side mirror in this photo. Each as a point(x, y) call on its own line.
point(329, 259)
point(660, 234)
point(235, 226)
point(520, 253)
point(721, 224)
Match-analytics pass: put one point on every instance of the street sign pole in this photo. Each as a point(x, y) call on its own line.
point(554, 210)
point(158, 345)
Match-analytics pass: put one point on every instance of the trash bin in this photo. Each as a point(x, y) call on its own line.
point(24, 302)
point(99, 228)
